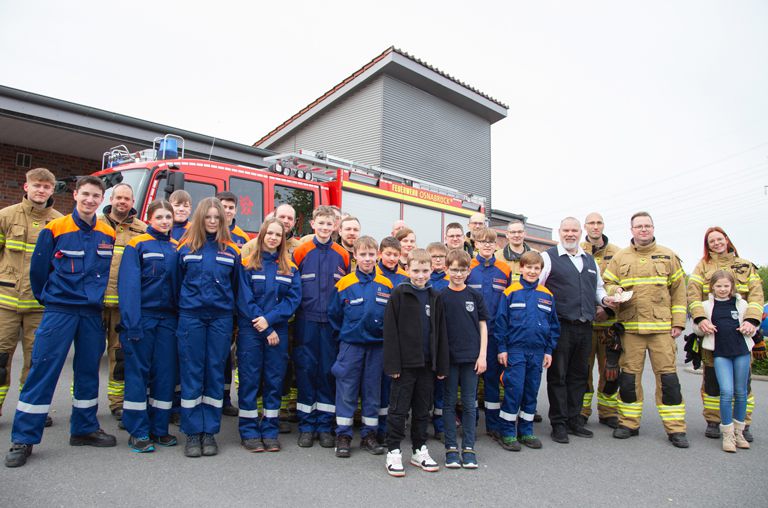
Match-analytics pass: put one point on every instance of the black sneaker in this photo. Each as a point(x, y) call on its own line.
point(99, 439)
point(494, 435)
point(343, 445)
point(285, 427)
point(747, 434)
point(272, 445)
point(560, 434)
point(141, 444)
point(622, 432)
point(678, 439)
point(610, 421)
point(582, 419)
point(537, 418)
point(326, 440)
point(48, 421)
point(578, 430)
point(17, 455)
point(371, 445)
point(253, 445)
point(713, 430)
point(166, 440)
point(230, 410)
point(210, 448)
point(193, 448)
point(118, 413)
point(306, 439)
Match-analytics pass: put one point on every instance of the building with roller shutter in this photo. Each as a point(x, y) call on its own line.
point(403, 115)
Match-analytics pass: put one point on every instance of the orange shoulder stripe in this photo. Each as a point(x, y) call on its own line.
point(516, 286)
point(543, 289)
point(346, 281)
point(381, 279)
point(105, 228)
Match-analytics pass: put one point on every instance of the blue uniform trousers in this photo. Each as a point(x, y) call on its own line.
point(58, 329)
point(204, 341)
point(313, 355)
point(151, 363)
point(261, 370)
point(522, 379)
point(358, 370)
point(491, 386)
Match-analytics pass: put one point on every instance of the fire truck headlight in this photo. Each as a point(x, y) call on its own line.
point(286, 171)
point(308, 176)
point(300, 174)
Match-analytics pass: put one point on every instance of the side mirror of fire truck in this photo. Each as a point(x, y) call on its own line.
point(175, 182)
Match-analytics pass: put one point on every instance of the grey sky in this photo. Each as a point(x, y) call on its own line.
point(614, 106)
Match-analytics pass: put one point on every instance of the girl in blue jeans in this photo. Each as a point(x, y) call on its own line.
point(731, 350)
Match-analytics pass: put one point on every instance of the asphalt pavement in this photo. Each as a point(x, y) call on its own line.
point(641, 471)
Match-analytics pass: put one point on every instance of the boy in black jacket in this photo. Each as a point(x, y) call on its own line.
point(415, 350)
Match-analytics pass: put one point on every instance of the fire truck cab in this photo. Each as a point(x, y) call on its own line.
point(304, 180)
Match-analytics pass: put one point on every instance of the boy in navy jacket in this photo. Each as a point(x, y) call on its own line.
point(322, 264)
point(357, 316)
point(526, 331)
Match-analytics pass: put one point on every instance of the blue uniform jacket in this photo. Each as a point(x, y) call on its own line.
point(239, 237)
point(264, 292)
point(70, 263)
point(439, 280)
point(147, 281)
point(321, 266)
point(396, 277)
point(357, 310)
point(178, 229)
point(527, 319)
point(491, 278)
point(208, 278)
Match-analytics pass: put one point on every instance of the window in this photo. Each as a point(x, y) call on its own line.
point(23, 160)
point(303, 201)
point(376, 215)
point(136, 179)
point(197, 190)
point(250, 203)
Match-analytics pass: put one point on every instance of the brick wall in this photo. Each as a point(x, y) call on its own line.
point(12, 177)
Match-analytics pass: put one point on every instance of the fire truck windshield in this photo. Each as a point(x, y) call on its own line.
point(137, 179)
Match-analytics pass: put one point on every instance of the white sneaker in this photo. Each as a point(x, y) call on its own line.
point(395, 463)
point(421, 458)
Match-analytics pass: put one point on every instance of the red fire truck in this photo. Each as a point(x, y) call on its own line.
point(304, 180)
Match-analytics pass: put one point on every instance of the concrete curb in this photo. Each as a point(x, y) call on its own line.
point(755, 377)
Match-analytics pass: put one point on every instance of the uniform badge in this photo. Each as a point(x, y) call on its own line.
point(643, 260)
point(36, 224)
point(470, 306)
point(734, 314)
point(426, 309)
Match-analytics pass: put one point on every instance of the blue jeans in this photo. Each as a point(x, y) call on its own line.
point(733, 376)
point(460, 374)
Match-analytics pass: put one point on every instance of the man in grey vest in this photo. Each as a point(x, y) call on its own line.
point(574, 279)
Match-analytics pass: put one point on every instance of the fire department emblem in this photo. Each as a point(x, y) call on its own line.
point(470, 306)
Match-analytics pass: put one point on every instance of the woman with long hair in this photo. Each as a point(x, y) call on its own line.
point(268, 295)
point(209, 268)
point(721, 254)
point(146, 286)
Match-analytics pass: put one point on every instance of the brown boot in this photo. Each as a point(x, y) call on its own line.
point(729, 443)
point(738, 428)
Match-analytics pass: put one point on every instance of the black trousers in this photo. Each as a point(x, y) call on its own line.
point(567, 376)
point(412, 391)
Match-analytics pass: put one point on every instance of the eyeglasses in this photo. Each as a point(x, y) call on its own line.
point(458, 271)
point(643, 226)
point(486, 242)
